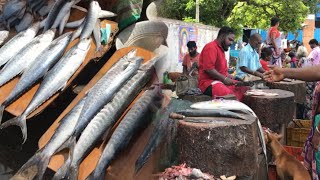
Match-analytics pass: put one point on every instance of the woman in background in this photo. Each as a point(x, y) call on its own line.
point(274, 41)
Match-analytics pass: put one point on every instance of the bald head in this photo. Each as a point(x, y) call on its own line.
point(255, 40)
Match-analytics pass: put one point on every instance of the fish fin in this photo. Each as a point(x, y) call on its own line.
point(40, 160)
point(1, 112)
point(62, 171)
point(18, 121)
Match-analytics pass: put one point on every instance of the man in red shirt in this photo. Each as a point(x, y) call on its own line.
point(214, 79)
point(191, 60)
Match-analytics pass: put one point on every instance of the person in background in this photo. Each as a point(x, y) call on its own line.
point(314, 56)
point(274, 41)
point(214, 79)
point(248, 63)
point(266, 55)
point(310, 152)
point(293, 62)
point(302, 54)
point(190, 60)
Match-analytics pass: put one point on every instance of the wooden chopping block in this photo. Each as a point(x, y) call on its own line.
point(226, 146)
point(272, 111)
point(296, 86)
point(123, 166)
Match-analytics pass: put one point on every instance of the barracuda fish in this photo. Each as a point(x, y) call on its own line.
point(97, 35)
point(102, 14)
point(54, 13)
point(91, 19)
point(134, 119)
point(38, 68)
point(209, 113)
point(163, 126)
point(26, 56)
point(61, 134)
point(3, 36)
point(55, 80)
point(12, 47)
point(25, 22)
point(62, 13)
point(105, 119)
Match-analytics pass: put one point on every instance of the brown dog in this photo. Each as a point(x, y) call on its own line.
point(288, 167)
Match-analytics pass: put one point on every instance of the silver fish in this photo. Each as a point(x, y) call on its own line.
point(26, 56)
point(50, 19)
point(134, 119)
point(62, 13)
point(38, 69)
point(13, 8)
point(12, 47)
point(104, 120)
point(61, 134)
point(46, 9)
point(91, 19)
point(55, 80)
point(3, 36)
point(102, 14)
point(77, 32)
point(25, 22)
point(97, 35)
point(63, 22)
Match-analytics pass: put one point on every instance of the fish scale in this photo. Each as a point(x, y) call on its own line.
point(105, 119)
point(129, 125)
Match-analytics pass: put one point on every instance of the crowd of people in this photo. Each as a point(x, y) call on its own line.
point(267, 62)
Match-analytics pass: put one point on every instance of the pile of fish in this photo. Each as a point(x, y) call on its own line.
point(42, 57)
point(96, 113)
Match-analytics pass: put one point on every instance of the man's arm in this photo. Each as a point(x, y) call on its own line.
point(306, 74)
point(216, 75)
point(185, 71)
point(249, 71)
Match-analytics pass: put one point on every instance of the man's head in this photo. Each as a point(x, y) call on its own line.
point(226, 37)
point(313, 43)
point(275, 21)
point(255, 41)
point(192, 48)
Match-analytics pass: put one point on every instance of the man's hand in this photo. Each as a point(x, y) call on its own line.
point(227, 81)
point(274, 74)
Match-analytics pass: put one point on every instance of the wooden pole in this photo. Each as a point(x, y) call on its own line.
point(197, 11)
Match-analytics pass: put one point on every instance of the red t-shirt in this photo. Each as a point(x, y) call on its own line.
point(274, 30)
point(188, 61)
point(264, 65)
point(211, 57)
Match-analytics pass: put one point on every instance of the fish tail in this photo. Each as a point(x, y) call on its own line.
point(1, 112)
point(17, 121)
point(40, 160)
point(73, 172)
point(62, 171)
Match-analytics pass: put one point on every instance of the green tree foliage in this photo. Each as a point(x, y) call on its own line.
point(241, 13)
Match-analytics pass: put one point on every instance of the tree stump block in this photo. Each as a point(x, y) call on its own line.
point(196, 98)
point(296, 86)
point(272, 111)
point(225, 146)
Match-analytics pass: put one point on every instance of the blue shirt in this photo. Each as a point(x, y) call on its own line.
point(249, 58)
